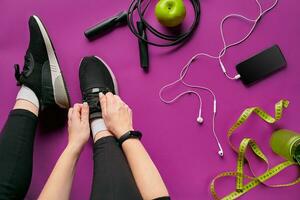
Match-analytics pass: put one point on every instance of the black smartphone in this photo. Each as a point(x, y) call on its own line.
point(261, 65)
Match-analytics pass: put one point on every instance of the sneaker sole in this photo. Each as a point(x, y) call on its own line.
point(60, 91)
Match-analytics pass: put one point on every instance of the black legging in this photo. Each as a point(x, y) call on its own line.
point(112, 180)
point(16, 150)
point(112, 176)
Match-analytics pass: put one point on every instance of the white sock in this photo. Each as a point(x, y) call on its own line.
point(97, 125)
point(27, 94)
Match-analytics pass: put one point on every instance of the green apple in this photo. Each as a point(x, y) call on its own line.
point(170, 13)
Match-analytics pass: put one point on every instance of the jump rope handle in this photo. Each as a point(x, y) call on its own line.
point(143, 47)
point(106, 25)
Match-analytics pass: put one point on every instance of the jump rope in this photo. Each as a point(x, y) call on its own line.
point(192, 87)
point(139, 27)
point(172, 40)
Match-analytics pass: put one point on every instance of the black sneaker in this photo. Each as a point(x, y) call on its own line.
point(41, 71)
point(95, 76)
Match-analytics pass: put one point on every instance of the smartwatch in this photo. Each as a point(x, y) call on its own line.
point(128, 135)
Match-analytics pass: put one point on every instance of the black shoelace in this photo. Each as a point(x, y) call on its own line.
point(92, 98)
point(26, 69)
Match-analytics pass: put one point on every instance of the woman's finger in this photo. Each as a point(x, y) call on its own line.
point(70, 114)
point(103, 103)
point(109, 98)
point(117, 98)
point(110, 102)
point(85, 113)
point(76, 112)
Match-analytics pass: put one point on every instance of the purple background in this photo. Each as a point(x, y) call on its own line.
point(185, 153)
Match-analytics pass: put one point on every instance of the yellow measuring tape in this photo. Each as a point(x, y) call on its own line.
point(242, 188)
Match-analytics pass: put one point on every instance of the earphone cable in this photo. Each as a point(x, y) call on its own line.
point(186, 68)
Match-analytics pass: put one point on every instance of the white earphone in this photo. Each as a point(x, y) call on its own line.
point(200, 120)
point(185, 69)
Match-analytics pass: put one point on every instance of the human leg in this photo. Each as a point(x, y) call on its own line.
point(39, 83)
point(16, 150)
point(118, 119)
point(112, 176)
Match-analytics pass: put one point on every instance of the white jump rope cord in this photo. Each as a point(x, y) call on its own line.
point(185, 69)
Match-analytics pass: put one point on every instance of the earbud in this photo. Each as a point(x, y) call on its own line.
point(220, 152)
point(238, 76)
point(200, 120)
point(186, 68)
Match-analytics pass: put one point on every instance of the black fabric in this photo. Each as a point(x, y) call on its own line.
point(16, 151)
point(94, 74)
point(36, 66)
point(31, 75)
point(47, 87)
point(35, 57)
point(37, 45)
point(112, 179)
point(91, 96)
point(94, 78)
point(163, 198)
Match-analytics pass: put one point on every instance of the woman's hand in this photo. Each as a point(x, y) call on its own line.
point(116, 114)
point(78, 126)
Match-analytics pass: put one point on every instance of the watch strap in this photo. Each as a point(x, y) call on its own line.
point(128, 135)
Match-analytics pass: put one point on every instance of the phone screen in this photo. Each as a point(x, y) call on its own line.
point(261, 65)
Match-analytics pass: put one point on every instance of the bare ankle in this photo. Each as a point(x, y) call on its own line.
point(26, 105)
point(102, 134)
